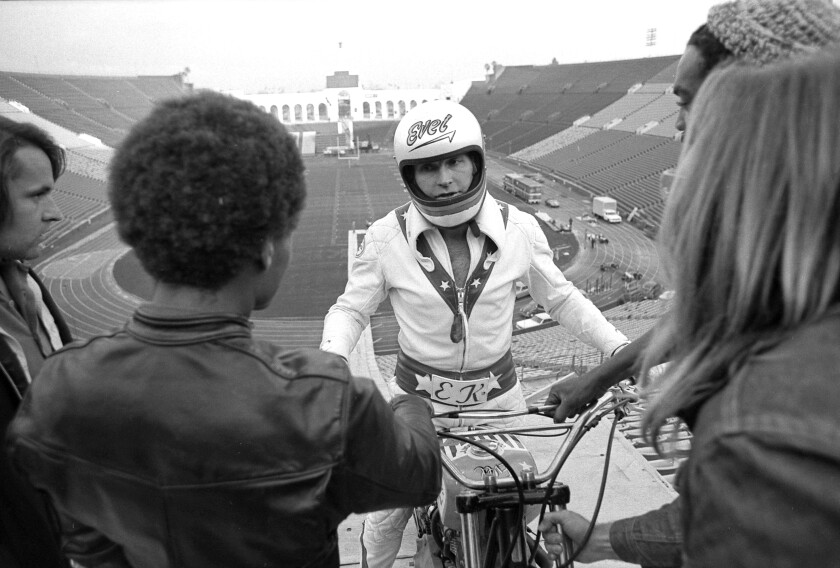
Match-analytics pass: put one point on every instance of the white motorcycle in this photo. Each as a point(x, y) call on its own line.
point(492, 490)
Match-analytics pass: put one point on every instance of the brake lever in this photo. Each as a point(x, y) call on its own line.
point(494, 414)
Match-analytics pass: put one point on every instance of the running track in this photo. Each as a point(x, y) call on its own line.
point(341, 197)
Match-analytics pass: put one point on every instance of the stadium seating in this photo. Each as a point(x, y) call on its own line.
point(554, 348)
point(655, 111)
point(102, 107)
point(518, 103)
point(622, 108)
point(533, 113)
point(554, 142)
point(121, 94)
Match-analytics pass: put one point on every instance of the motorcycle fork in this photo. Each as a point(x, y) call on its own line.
point(492, 531)
point(508, 523)
point(476, 508)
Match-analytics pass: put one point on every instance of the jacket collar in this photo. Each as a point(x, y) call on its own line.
point(158, 324)
point(489, 221)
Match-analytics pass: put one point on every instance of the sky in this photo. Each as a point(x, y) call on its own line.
point(292, 45)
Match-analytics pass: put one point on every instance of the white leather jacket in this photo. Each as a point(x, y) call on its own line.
point(388, 264)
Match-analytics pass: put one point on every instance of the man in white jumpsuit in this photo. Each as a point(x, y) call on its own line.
point(449, 261)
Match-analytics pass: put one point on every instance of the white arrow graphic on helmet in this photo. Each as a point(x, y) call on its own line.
point(451, 136)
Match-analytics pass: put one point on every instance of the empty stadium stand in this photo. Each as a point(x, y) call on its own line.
point(101, 107)
point(608, 127)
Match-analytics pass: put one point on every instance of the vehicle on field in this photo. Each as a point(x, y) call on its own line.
point(522, 290)
point(533, 321)
point(336, 150)
point(523, 187)
point(548, 220)
point(606, 208)
point(366, 146)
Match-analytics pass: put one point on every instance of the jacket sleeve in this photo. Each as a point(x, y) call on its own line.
point(89, 548)
point(392, 455)
point(653, 539)
point(350, 314)
point(563, 301)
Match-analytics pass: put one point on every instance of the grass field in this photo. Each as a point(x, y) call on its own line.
point(340, 198)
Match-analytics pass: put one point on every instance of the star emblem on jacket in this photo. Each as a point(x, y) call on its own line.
point(424, 383)
point(444, 285)
point(494, 382)
point(476, 283)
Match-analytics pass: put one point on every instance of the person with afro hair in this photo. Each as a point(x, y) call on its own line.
point(180, 440)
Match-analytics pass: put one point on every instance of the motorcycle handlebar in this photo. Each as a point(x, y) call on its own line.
point(614, 400)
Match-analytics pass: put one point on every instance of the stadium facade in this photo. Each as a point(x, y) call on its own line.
point(329, 117)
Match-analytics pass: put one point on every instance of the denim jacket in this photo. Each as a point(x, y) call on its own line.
point(653, 539)
point(762, 484)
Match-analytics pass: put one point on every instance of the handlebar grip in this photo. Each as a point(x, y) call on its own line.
point(568, 544)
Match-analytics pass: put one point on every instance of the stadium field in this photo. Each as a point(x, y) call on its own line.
point(342, 196)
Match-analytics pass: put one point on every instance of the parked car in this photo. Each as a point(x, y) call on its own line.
point(522, 290)
point(533, 321)
point(335, 150)
point(552, 203)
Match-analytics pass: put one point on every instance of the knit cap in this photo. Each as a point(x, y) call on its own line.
point(762, 31)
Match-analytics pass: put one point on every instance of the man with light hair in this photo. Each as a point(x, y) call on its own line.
point(31, 326)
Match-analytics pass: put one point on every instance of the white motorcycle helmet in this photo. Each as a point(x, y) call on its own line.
point(435, 131)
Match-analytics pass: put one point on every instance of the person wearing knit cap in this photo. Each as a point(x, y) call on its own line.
point(758, 32)
point(754, 32)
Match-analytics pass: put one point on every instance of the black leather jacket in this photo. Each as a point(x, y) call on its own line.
point(28, 531)
point(180, 441)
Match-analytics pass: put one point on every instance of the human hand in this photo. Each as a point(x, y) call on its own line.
point(572, 395)
point(556, 524)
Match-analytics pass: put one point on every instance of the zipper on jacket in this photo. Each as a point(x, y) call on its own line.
point(463, 315)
